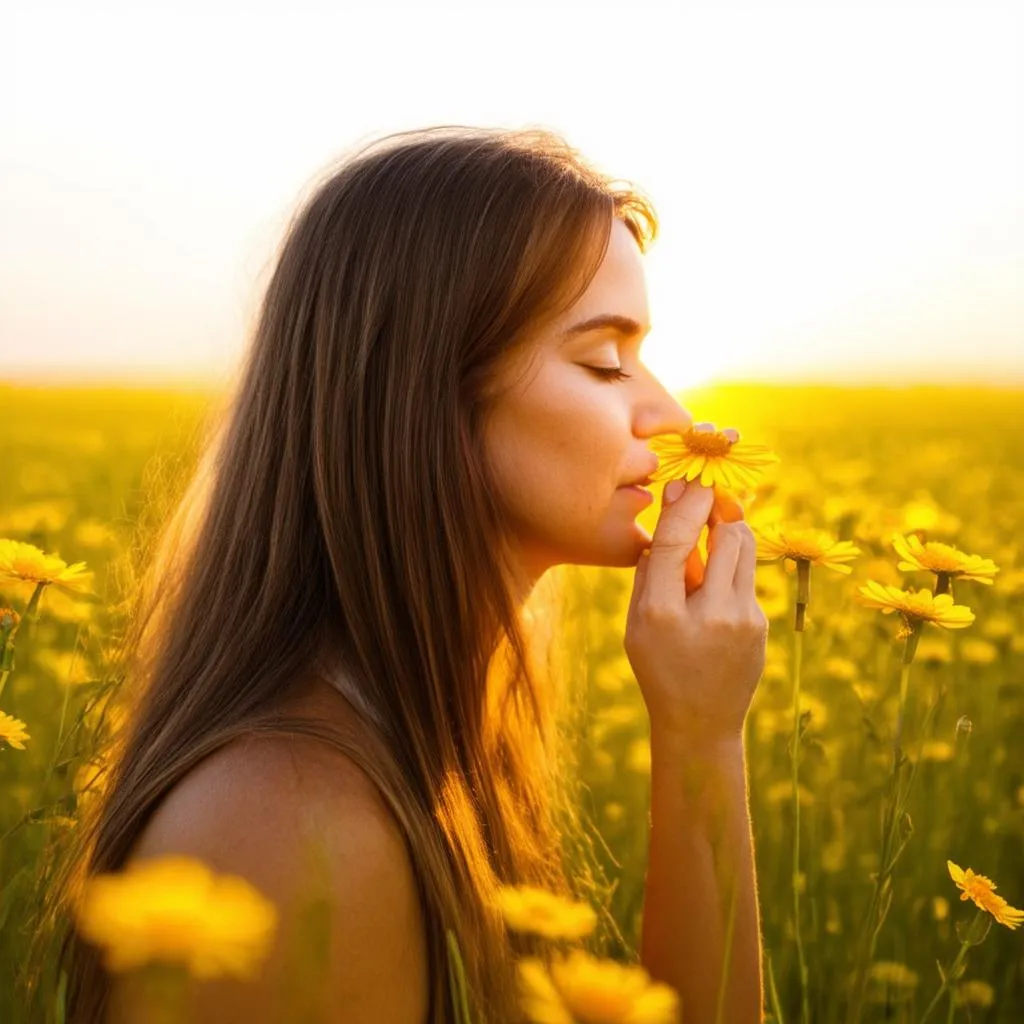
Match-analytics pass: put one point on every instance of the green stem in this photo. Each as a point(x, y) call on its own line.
point(63, 711)
point(8, 646)
point(896, 803)
point(773, 992)
point(803, 597)
point(949, 975)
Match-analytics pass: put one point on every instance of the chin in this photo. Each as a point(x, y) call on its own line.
point(617, 551)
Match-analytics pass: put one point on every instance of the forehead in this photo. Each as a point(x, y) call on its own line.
point(616, 299)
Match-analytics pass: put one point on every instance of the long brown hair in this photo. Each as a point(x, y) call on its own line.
point(343, 499)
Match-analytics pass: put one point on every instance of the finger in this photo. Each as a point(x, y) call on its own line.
point(693, 572)
point(726, 508)
point(639, 582)
point(746, 565)
point(675, 537)
point(722, 559)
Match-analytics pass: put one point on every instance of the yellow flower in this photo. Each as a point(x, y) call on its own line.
point(841, 668)
point(782, 792)
point(712, 456)
point(25, 563)
point(975, 993)
point(937, 750)
point(638, 756)
point(174, 909)
point(581, 989)
point(979, 652)
point(934, 650)
point(771, 591)
point(981, 890)
point(1011, 583)
point(916, 605)
point(94, 533)
point(12, 730)
point(922, 513)
point(937, 557)
point(37, 517)
point(999, 626)
point(816, 546)
point(527, 908)
point(614, 811)
point(891, 972)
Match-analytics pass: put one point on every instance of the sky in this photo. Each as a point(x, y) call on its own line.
point(840, 185)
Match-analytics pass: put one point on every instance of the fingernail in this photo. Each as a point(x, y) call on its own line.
point(674, 491)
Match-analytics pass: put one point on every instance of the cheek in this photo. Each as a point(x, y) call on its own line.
point(559, 444)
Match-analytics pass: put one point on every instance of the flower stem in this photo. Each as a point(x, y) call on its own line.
point(803, 596)
point(896, 804)
point(951, 974)
point(7, 653)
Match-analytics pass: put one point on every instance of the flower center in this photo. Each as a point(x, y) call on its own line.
point(707, 442)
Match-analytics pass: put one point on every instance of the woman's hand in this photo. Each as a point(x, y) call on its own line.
point(695, 634)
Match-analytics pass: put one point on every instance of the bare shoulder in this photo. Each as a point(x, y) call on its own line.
point(307, 827)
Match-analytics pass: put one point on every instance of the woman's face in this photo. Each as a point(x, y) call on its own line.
point(564, 442)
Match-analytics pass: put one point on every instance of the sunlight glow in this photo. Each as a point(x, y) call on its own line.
point(840, 188)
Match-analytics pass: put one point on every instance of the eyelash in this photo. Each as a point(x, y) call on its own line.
point(612, 373)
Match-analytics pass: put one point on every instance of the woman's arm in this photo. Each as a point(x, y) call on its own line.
point(700, 872)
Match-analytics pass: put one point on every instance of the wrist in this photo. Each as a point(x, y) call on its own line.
point(689, 741)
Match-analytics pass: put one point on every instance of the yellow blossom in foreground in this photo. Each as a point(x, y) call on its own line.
point(25, 563)
point(916, 605)
point(712, 456)
point(527, 908)
point(815, 546)
point(981, 890)
point(937, 557)
point(12, 731)
point(174, 909)
point(581, 989)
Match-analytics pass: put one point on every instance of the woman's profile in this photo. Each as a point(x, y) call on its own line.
point(443, 399)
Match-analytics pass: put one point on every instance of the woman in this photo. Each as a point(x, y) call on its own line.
point(333, 644)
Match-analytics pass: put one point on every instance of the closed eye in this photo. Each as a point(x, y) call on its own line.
point(610, 372)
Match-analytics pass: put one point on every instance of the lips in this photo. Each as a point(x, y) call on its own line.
point(643, 482)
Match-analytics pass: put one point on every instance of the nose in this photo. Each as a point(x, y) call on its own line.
point(659, 412)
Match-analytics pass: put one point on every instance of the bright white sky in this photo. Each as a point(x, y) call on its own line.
point(840, 184)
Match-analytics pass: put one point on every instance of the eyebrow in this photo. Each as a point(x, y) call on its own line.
point(624, 325)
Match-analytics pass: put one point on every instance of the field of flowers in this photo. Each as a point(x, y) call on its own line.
point(885, 810)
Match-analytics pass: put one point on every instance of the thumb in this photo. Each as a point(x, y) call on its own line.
point(676, 533)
